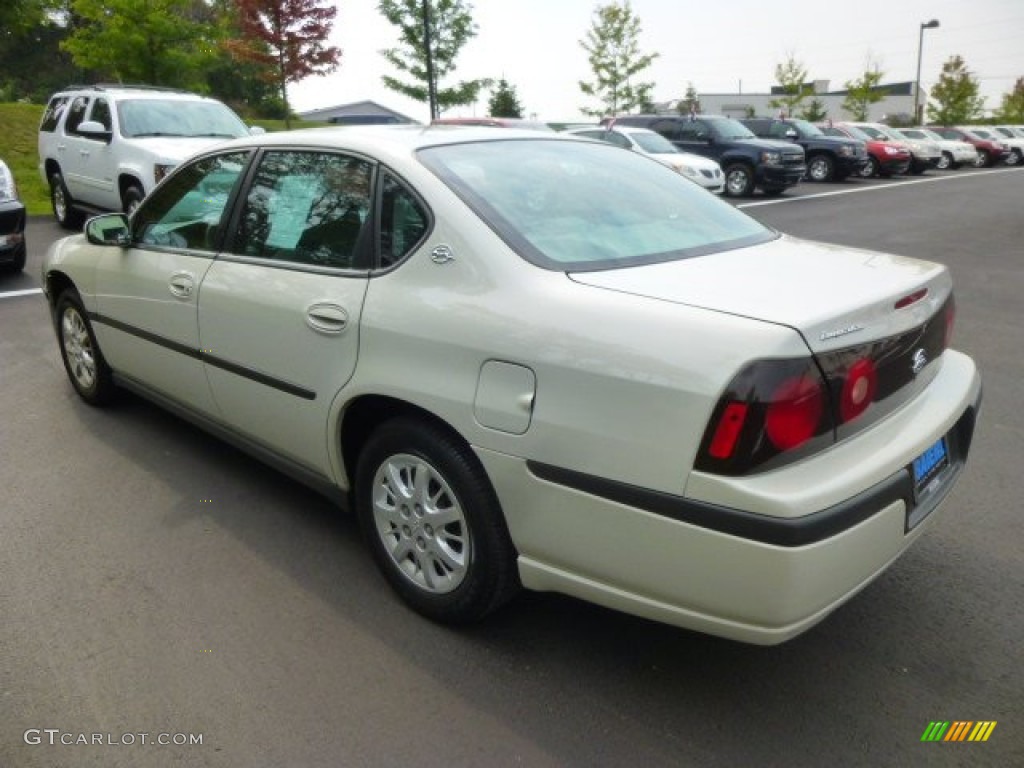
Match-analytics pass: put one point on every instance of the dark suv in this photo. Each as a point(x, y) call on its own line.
point(747, 161)
point(828, 157)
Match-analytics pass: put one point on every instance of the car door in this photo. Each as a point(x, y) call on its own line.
point(147, 293)
point(73, 149)
point(96, 177)
point(279, 310)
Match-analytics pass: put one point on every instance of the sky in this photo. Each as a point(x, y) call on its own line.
point(720, 47)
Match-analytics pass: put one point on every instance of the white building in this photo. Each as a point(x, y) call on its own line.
point(897, 99)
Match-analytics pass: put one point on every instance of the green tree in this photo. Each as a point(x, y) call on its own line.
point(287, 41)
point(159, 42)
point(612, 45)
point(451, 27)
point(504, 102)
point(19, 16)
point(690, 103)
point(1012, 108)
point(792, 76)
point(955, 98)
point(814, 111)
point(863, 92)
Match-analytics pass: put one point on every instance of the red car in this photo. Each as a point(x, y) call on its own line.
point(885, 158)
point(990, 149)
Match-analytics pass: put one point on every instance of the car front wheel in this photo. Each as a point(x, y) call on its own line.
point(739, 180)
point(870, 168)
point(87, 370)
point(1016, 157)
point(820, 168)
point(433, 522)
point(131, 199)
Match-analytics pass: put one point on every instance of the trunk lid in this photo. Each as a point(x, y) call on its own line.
point(833, 295)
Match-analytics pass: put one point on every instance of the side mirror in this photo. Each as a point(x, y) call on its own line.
point(108, 229)
point(94, 130)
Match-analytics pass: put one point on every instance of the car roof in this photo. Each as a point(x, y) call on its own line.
point(390, 139)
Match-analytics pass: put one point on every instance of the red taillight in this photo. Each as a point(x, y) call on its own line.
point(728, 430)
point(793, 414)
point(858, 390)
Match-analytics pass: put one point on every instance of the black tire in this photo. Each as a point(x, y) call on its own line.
point(63, 205)
point(131, 198)
point(821, 168)
point(945, 162)
point(87, 369)
point(1016, 157)
point(739, 180)
point(870, 169)
point(433, 522)
point(984, 159)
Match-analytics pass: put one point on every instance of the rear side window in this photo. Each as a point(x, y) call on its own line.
point(52, 114)
point(403, 222)
point(306, 208)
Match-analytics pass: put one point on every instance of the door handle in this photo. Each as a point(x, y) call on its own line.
point(326, 317)
point(182, 284)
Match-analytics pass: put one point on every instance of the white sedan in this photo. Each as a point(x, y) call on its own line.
point(700, 170)
point(530, 360)
point(955, 153)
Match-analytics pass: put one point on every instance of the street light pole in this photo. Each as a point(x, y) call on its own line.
point(917, 81)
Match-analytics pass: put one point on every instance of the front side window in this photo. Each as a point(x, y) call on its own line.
point(307, 208)
point(574, 206)
point(76, 114)
point(188, 209)
point(101, 113)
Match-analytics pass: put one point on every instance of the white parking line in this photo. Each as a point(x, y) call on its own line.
point(26, 292)
point(874, 188)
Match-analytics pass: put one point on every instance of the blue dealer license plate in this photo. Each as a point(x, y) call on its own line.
point(928, 466)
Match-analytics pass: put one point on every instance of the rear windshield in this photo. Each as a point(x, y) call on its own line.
point(577, 206)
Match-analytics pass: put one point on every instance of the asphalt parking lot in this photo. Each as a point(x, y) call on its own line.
point(155, 581)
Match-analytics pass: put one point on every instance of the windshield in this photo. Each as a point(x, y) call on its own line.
point(728, 129)
point(914, 133)
point(981, 133)
point(654, 143)
point(575, 206)
point(178, 117)
point(806, 129)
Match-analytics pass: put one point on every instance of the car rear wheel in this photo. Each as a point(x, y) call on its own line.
point(820, 168)
point(739, 180)
point(63, 206)
point(433, 522)
point(88, 371)
point(945, 162)
point(982, 160)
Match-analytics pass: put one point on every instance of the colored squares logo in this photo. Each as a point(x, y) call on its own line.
point(959, 730)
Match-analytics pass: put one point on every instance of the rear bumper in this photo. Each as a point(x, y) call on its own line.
point(722, 569)
point(12, 231)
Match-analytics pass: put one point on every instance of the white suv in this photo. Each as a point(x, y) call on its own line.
point(104, 147)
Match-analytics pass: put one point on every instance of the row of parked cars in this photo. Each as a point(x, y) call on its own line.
point(774, 154)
